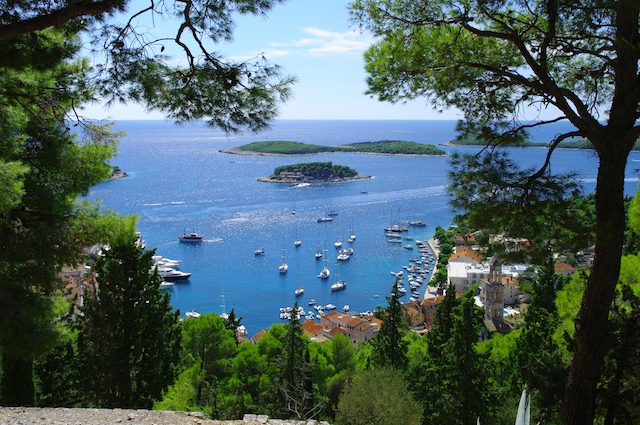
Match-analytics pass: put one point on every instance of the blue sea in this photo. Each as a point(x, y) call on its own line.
point(179, 180)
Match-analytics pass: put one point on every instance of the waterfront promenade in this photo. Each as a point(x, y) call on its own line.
point(431, 291)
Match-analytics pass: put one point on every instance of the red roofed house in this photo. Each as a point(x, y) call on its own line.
point(358, 329)
point(257, 336)
point(312, 329)
point(564, 269)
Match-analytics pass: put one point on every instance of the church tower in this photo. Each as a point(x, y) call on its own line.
point(494, 291)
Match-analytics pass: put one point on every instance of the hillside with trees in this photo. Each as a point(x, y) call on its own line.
point(384, 147)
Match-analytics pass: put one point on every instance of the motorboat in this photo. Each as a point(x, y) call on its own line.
point(329, 307)
point(408, 246)
point(312, 302)
point(190, 237)
point(160, 261)
point(325, 219)
point(339, 285)
point(283, 268)
point(259, 251)
point(193, 314)
point(318, 255)
point(166, 285)
point(167, 273)
point(345, 308)
point(299, 291)
point(337, 243)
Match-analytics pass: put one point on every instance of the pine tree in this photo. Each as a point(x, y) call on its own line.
point(129, 338)
point(389, 346)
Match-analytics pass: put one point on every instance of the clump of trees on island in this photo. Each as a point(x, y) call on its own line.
point(317, 170)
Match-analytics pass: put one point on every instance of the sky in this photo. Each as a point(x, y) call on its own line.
point(314, 41)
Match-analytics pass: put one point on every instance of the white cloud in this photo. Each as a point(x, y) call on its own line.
point(323, 43)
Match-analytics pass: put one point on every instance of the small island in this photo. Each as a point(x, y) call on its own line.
point(116, 173)
point(313, 172)
point(383, 147)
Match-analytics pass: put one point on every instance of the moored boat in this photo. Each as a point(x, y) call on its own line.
point(339, 285)
point(167, 273)
point(190, 237)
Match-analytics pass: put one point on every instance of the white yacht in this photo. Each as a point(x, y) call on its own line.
point(299, 291)
point(167, 273)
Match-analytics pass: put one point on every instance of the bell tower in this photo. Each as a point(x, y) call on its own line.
point(494, 291)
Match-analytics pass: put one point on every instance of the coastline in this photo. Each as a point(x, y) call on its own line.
point(117, 175)
point(312, 180)
point(236, 151)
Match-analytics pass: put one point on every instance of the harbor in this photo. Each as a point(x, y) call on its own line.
point(179, 183)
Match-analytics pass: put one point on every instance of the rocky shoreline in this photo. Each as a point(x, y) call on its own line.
point(311, 180)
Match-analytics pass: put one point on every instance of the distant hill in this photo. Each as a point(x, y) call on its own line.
point(577, 144)
point(383, 147)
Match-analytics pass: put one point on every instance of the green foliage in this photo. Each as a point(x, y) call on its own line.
point(538, 360)
point(396, 147)
point(378, 396)
point(317, 170)
point(453, 372)
point(387, 147)
point(129, 338)
point(494, 195)
point(389, 346)
point(43, 168)
point(284, 147)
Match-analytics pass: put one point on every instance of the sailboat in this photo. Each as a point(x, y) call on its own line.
point(297, 242)
point(332, 212)
point(352, 236)
point(224, 314)
point(324, 274)
point(283, 267)
point(300, 290)
point(340, 284)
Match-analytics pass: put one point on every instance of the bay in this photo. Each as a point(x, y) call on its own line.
point(179, 180)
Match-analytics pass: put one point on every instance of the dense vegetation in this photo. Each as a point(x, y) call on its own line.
point(576, 144)
point(396, 147)
point(389, 147)
point(283, 147)
point(317, 170)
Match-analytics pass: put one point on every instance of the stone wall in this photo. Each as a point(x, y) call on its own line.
point(60, 416)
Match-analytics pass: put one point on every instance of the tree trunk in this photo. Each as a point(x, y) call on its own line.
point(16, 385)
point(592, 321)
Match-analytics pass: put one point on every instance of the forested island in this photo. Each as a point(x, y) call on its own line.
point(574, 144)
point(383, 147)
point(312, 172)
